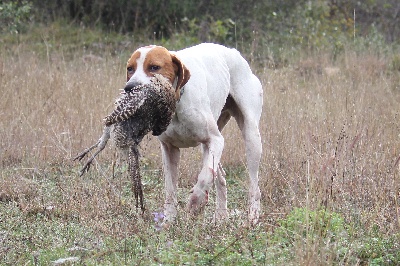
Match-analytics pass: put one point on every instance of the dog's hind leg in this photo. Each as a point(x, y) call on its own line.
point(247, 113)
point(253, 144)
point(221, 210)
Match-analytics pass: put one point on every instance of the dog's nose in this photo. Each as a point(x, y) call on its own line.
point(130, 85)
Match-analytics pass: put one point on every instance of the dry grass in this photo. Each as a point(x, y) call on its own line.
point(333, 141)
point(330, 140)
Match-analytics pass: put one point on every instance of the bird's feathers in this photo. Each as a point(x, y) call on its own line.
point(156, 97)
point(145, 108)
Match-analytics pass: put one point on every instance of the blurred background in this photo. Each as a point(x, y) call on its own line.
point(310, 24)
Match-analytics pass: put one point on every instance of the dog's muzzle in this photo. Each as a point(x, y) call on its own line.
point(129, 86)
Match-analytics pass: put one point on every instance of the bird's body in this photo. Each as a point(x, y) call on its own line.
point(137, 112)
point(143, 109)
point(147, 107)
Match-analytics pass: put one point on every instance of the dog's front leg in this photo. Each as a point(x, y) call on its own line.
point(170, 155)
point(212, 151)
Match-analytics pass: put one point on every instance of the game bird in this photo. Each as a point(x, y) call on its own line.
point(139, 110)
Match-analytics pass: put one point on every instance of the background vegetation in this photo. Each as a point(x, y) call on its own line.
point(330, 169)
point(288, 24)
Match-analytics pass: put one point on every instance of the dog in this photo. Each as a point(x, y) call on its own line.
point(212, 84)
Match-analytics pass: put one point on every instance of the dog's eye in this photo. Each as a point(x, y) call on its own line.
point(154, 68)
point(129, 69)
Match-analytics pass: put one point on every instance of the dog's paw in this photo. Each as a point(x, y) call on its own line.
point(169, 212)
point(197, 201)
point(220, 215)
point(254, 212)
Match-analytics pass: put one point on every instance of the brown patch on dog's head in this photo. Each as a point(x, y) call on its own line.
point(158, 60)
point(182, 73)
point(131, 65)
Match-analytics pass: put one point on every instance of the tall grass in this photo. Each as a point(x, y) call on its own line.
point(330, 133)
point(331, 139)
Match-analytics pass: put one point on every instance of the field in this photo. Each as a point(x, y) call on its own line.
point(329, 176)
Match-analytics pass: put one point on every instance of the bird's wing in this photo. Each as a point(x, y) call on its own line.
point(126, 106)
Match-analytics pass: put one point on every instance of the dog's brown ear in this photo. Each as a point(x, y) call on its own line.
point(183, 75)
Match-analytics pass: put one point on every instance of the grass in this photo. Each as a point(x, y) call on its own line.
point(329, 173)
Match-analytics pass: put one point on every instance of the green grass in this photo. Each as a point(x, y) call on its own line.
point(55, 227)
point(111, 231)
point(329, 174)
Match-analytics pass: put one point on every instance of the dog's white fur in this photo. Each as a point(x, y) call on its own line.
point(221, 85)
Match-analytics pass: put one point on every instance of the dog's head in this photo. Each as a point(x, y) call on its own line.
point(150, 60)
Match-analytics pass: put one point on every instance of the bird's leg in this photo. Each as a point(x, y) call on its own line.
point(134, 172)
point(100, 144)
point(82, 155)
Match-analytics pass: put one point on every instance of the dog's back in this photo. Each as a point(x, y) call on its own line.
point(220, 72)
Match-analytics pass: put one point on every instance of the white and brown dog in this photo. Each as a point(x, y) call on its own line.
point(212, 84)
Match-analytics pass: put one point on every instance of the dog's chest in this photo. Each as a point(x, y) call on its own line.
point(187, 129)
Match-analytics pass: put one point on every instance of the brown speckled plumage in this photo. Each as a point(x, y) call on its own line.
point(146, 108)
point(152, 104)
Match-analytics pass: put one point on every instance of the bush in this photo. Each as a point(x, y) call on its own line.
point(377, 250)
point(305, 223)
point(14, 16)
point(325, 238)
